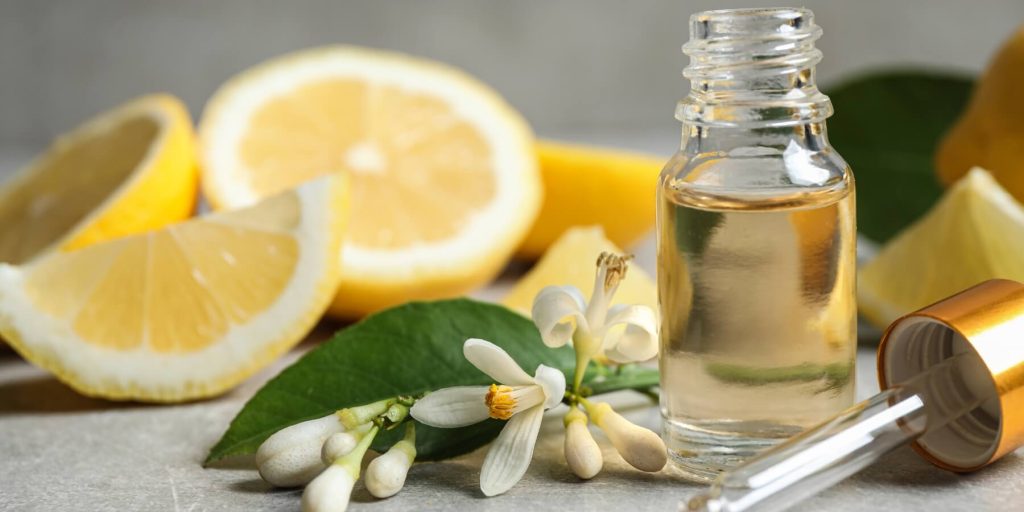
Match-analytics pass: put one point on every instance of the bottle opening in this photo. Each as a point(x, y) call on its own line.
point(754, 68)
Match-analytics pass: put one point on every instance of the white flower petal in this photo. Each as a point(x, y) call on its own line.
point(557, 311)
point(638, 341)
point(452, 407)
point(495, 362)
point(552, 381)
point(510, 455)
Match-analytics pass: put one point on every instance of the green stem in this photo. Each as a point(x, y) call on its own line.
point(353, 461)
point(395, 415)
point(408, 443)
point(581, 367)
point(587, 404)
point(584, 345)
point(651, 393)
point(638, 378)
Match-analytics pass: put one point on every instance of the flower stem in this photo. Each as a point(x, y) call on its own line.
point(408, 443)
point(650, 393)
point(395, 415)
point(587, 405)
point(352, 417)
point(352, 462)
point(637, 378)
point(581, 367)
point(585, 346)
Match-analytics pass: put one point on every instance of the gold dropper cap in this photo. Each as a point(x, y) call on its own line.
point(988, 321)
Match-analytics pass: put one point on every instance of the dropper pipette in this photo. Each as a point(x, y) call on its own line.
point(852, 440)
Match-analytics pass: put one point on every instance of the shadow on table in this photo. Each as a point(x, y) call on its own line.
point(38, 393)
point(258, 486)
point(45, 394)
point(450, 476)
point(232, 462)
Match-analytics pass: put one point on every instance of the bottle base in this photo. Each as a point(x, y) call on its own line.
point(702, 450)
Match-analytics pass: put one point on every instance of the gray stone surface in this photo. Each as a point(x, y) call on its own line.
point(63, 452)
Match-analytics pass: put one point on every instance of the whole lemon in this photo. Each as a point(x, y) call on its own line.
point(990, 133)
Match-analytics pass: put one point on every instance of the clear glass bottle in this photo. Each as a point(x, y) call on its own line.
point(756, 246)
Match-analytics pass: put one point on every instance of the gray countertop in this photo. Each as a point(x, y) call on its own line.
point(60, 451)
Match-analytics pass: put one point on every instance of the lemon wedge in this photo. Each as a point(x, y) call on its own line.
point(184, 312)
point(127, 171)
point(570, 261)
point(975, 232)
point(444, 177)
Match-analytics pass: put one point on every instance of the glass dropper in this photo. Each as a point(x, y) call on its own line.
point(850, 441)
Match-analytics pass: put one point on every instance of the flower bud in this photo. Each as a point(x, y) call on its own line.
point(291, 457)
point(640, 447)
point(581, 451)
point(330, 491)
point(337, 446)
point(386, 474)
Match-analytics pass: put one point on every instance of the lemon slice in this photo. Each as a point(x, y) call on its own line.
point(127, 171)
point(975, 232)
point(586, 186)
point(570, 261)
point(184, 312)
point(444, 177)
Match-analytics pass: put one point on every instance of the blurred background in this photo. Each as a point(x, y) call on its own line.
point(603, 71)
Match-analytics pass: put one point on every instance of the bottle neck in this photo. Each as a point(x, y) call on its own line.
point(704, 139)
point(753, 69)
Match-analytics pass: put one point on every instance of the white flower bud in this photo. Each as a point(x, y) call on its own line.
point(291, 457)
point(640, 447)
point(337, 446)
point(581, 451)
point(386, 474)
point(330, 491)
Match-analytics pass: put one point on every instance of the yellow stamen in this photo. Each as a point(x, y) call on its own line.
point(615, 267)
point(500, 402)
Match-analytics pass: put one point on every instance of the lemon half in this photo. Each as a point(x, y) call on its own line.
point(444, 176)
point(127, 171)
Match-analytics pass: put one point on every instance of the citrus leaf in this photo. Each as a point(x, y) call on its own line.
point(406, 350)
point(886, 126)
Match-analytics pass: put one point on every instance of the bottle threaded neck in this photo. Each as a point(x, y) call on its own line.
point(753, 68)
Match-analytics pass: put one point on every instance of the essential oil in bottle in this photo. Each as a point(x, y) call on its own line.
point(756, 246)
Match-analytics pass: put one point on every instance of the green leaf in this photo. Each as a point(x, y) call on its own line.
point(406, 350)
point(887, 125)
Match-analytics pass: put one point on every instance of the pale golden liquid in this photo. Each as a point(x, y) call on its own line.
point(758, 317)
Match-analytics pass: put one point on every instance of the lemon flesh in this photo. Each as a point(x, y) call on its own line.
point(184, 312)
point(126, 171)
point(444, 178)
point(974, 233)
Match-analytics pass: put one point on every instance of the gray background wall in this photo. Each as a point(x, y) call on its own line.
point(571, 66)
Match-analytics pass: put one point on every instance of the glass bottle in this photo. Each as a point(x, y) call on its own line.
point(756, 246)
